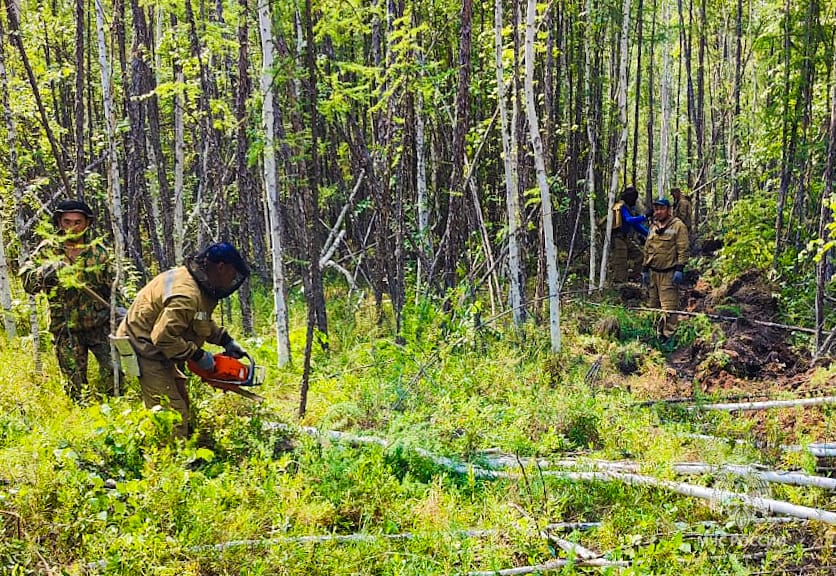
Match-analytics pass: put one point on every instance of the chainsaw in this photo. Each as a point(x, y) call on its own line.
point(230, 374)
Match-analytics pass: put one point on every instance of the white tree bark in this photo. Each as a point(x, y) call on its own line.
point(512, 201)
point(621, 147)
point(113, 181)
point(421, 190)
point(11, 128)
point(179, 168)
point(271, 183)
point(540, 165)
point(593, 149)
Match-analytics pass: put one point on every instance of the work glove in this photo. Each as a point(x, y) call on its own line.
point(234, 349)
point(677, 277)
point(49, 270)
point(645, 278)
point(206, 362)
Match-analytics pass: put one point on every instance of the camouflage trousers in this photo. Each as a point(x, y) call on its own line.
point(624, 255)
point(72, 348)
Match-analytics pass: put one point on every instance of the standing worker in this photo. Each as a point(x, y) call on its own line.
point(682, 208)
point(626, 227)
point(75, 272)
point(171, 320)
point(666, 251)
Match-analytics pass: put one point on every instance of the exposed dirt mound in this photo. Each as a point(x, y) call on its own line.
point(743, 354)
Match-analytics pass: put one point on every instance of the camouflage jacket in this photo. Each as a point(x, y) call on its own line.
point(65, 283)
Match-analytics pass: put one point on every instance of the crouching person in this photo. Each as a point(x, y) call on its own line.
point(171, 320)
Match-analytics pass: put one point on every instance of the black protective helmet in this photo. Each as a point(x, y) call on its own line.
point(218, 252)
point(65, 206)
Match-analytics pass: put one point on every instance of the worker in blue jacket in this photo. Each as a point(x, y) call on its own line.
point(628, 231)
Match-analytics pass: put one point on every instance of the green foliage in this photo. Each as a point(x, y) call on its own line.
point(748, 237)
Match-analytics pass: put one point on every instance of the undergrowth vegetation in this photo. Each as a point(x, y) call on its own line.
point(101, 488)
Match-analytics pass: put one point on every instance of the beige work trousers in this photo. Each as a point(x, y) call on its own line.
point(164, 380)
point(664, 294)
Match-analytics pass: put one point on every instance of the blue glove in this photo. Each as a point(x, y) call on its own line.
point(121, 312)
point(677, 277)
point(645, 278)
point(234, 349)
point(206, 362)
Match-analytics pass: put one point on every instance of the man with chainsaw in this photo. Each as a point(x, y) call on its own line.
point(628, 231)
point(171, 320)
point(75, 272)
point(666, 252)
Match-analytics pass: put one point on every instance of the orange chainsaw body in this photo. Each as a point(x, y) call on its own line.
point(231, 373)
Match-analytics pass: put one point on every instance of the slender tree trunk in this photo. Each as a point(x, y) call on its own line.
point(17, 40)
point(787, 143)
point(114, 184)
point(316, 299)
point(545, 193)
point(244, 176)
point(665, 104)
point(825, 218)
point(622, 142)
point(79, 99)
point(738, 77)
point(638, 91)
point(456, 230)
point(274, 208)
point(517, 294)
point(592, 117)
point(651, 104)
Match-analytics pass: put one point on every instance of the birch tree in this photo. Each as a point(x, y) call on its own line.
point(540, 165)
point(271, 184)
point(113, 182)
point(512, 202)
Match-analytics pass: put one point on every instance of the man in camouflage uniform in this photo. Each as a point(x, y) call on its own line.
point(627, 228)
point(75, 273)
point(171, 319)
point(666, 252)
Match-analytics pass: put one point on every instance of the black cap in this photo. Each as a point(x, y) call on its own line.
point(65, 206)
point(225, 252)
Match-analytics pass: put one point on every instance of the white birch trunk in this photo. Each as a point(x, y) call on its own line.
point(421, 189)
point(179, 168)
point(593, 150)
point(512, 201)
point(664, 102)
point(271, 184)
point(5, 284)
point(114, 184)
point(6, 294)
point(18, 198)
point(622, 141)
point(540, 165)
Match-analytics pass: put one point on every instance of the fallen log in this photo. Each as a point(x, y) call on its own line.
point(792, 478)
point(750, 406)
point(769, 505)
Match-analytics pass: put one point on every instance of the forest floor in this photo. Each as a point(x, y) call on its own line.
point(750, 358)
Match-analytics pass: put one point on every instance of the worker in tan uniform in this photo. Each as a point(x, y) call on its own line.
point(682, 208)
point(171, 320)
point(628, 231)
point(665, 254)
